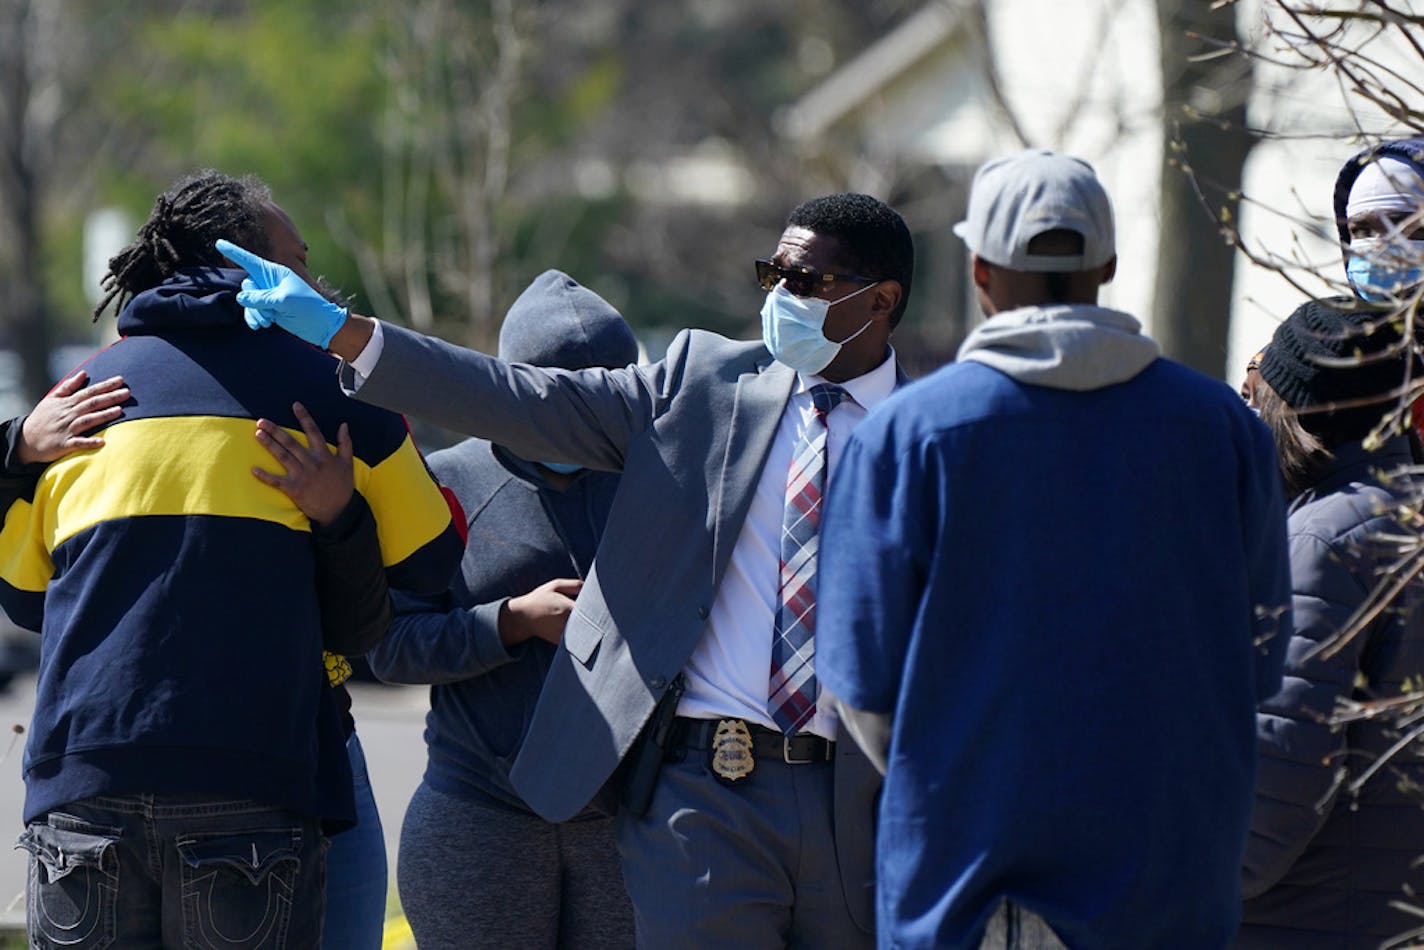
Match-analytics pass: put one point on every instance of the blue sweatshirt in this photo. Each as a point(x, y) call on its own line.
point(1069, 594)
point(175, 594)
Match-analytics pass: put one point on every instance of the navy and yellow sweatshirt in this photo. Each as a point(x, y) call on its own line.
point(176, 595)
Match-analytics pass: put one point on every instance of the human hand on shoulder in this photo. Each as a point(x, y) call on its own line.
point(317, 480)
point(541, 613)
point(55, 427)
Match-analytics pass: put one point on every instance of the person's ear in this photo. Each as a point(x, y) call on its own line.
point(886, 297)
point(979, 270)
point(1109, 271)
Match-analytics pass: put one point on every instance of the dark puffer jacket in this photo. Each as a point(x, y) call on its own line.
point(1324, 860)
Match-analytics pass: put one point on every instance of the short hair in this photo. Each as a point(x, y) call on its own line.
point(181, 229)
point(873, 238)
point(1059, 242)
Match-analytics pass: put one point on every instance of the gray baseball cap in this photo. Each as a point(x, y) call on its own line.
point(1017, 198)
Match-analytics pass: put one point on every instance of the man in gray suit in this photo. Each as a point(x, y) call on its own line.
point(758, 829)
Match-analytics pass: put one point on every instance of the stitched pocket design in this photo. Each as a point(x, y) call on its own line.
point(238, 887)
point(73, 887)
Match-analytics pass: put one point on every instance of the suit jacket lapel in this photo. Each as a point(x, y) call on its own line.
point(756, 413)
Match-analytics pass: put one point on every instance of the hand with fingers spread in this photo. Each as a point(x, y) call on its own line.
point(274, 293)
point(56, 426)
point(319, 482)
point(540, 613)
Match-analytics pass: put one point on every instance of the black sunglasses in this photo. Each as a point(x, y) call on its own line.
point(800, 281)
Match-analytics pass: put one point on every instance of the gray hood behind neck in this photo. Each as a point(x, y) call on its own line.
point(1077, 347)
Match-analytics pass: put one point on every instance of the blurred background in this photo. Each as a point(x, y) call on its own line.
point(438, 155)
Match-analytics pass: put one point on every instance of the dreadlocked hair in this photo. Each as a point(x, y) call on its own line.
point(180, 231)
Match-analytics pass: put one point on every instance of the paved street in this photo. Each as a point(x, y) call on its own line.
point(389, 719)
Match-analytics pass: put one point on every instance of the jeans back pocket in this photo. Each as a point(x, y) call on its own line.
point(238, 887)
point(73, 886)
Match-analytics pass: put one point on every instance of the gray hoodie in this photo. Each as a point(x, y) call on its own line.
point(1078, 347)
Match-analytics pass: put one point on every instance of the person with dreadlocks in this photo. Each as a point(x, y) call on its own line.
point(186, 756)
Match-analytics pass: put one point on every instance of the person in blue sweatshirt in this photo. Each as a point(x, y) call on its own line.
point(1070, 591)
point(478, 868)
point(186, 757)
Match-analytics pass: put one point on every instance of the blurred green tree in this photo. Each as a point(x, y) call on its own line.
point(437, 154)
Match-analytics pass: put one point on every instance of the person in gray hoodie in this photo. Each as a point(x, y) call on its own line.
point(477, 867)
point(1068, 595)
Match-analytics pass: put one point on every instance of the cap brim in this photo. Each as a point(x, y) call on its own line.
point(961, 229)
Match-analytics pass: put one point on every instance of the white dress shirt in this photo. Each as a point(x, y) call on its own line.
point(729, 672)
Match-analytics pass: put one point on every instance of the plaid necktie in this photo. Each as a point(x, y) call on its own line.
point(791, 698)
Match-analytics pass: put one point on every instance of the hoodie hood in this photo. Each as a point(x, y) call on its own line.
point(1065, 346)
point(198, 298)
point(558, 323)
point(1408, 150)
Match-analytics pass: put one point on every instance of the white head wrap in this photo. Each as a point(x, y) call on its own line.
point(1387, 184)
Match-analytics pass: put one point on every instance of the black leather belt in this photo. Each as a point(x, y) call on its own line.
point(802, 748)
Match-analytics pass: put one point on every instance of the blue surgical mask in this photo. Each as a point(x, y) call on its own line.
point(791, 328)
point(1380, 270)
point(563, 468)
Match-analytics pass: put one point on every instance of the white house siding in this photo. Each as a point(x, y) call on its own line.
point(1083, 76)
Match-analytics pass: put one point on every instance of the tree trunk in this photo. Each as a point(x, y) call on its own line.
point(24, 316)
point(1205, 146)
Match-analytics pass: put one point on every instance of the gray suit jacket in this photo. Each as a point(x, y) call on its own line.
point(690, 435)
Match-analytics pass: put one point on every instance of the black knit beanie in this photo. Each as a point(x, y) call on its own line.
point(1302, 365)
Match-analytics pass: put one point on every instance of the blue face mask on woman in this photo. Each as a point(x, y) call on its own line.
point(792, 329)
point(1381, 269)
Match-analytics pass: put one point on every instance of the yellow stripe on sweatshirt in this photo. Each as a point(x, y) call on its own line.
point(200, 465)
point(24, 562)
point(410, 509)
point(169, 465)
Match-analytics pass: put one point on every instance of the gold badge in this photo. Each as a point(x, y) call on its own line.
point(732, 750)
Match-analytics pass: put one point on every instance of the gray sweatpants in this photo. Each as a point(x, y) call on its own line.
point(473, 876)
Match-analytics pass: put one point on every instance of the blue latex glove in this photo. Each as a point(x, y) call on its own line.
point(274, 293)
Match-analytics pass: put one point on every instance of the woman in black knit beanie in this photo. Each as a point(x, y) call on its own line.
point(1337, 827)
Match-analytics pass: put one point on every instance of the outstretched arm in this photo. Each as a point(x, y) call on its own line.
point(355, 603)
point(585, 417)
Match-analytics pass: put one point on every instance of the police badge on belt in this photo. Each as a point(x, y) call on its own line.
point(731, 751)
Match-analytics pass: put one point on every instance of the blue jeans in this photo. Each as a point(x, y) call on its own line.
point(356, 871)
point(146, 871)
